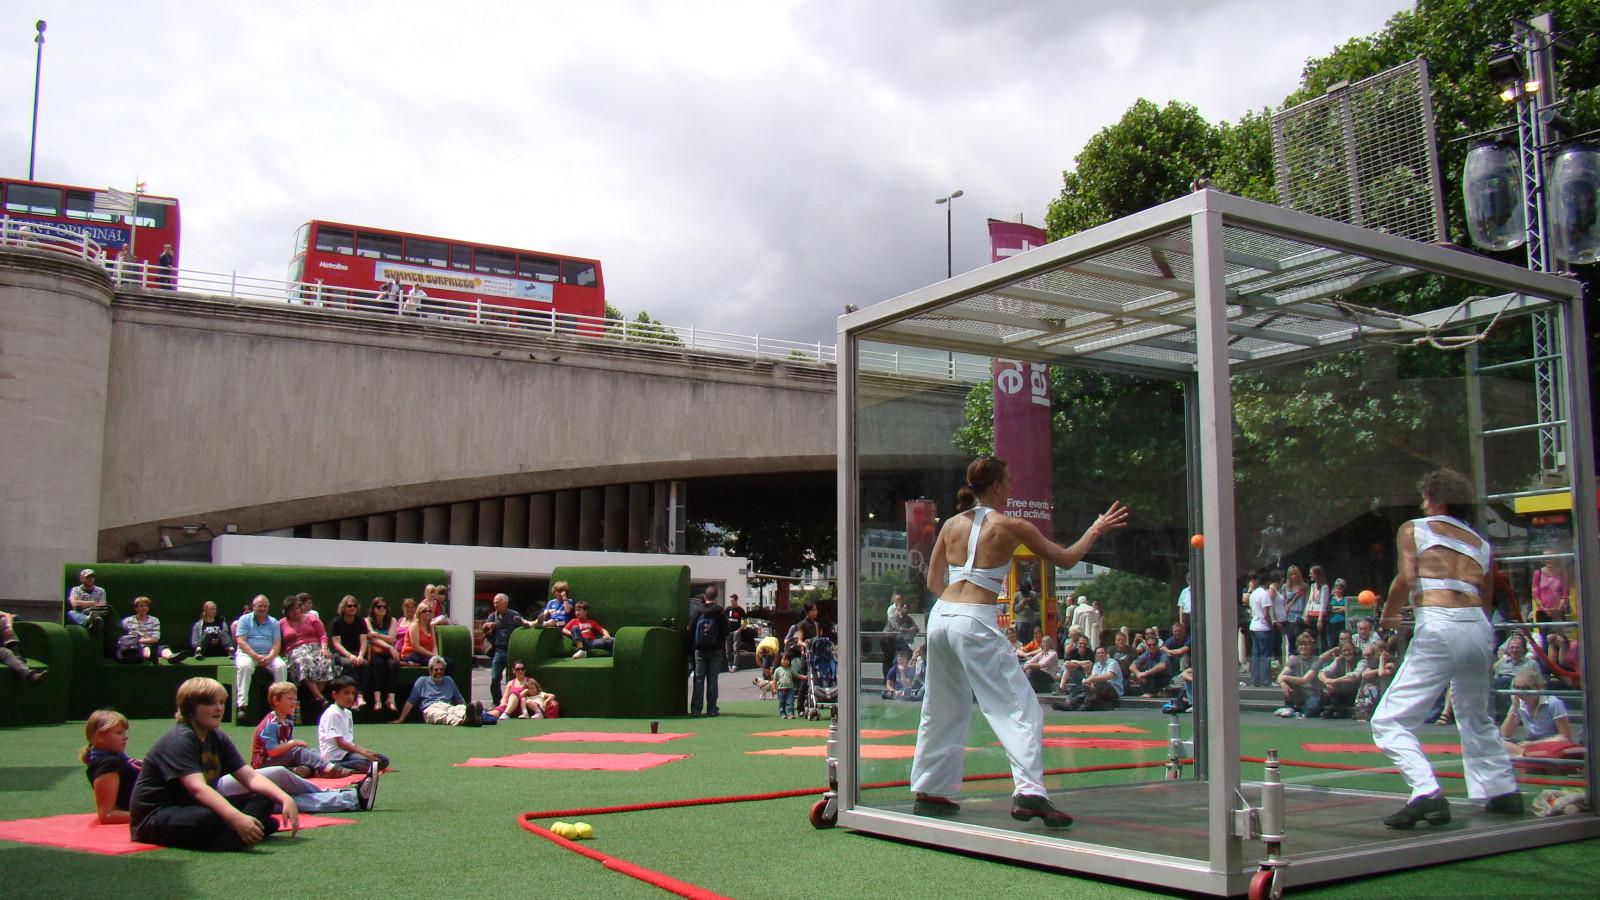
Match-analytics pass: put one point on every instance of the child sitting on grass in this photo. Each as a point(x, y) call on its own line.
point(336, 734)
point(274, 743)
point(111, 773)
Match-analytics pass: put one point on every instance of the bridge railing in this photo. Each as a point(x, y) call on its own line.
point(44, 236)
point(418, 305)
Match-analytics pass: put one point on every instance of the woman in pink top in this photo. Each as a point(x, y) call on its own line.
point(1550, 592)
point(305, 645)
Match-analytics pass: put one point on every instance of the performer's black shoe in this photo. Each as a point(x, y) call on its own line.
point(1033, 806)
point(1504, 804)
point(1433, 808)
point(929, 805)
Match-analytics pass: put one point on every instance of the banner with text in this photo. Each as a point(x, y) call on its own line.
point(1022, 438)
point(1010, 238)
point(921, 529)
point(470, 282)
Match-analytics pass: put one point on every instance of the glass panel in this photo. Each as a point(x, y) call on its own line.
point(31, 198)
point(539, 268)
point(302, 236)
point(922, 415)
point(335, 240)
point(80, 205)
point(494, 262)
point(581, 274)
point(460, 257)
point(431, 253)
point(385, 246)
point(150, 214)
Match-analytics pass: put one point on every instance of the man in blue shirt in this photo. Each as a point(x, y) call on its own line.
point(1152, 671)
point(497, 628)
point(1104, 681)
point(440, 700)
point(257, 641)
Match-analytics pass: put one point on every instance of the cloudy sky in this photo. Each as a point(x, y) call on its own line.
point(740, 166)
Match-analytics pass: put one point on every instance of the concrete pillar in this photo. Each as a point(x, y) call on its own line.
point(381, 527)
point(638, 517)
point(408, 526)
point(325, 531)
point(463, 523)
point(616, 518)
point(436, 524)
point(353, 529)
point(55, 325)
point(490, 528)
point(591, 515)
point(514, 522)
point(541, 521)
point(565, 521)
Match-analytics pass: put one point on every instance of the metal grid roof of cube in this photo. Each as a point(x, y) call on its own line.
point(1122, 295)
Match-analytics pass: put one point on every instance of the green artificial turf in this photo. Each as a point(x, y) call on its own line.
point(446, 831)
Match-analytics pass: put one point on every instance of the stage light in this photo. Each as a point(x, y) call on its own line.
point(1491, 185)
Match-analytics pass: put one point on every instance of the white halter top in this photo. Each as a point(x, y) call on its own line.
point(1426, 538)
point(993, 578)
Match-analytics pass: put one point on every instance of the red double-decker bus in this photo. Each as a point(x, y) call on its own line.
point(335, 255)
point(101, 214)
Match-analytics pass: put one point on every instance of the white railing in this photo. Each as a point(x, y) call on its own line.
point(44, 236)
point(420, 306)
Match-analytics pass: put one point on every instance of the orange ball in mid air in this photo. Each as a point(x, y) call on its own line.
point(1197, 541)
point(1366, 598)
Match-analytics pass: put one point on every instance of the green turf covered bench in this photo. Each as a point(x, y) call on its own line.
point(45, 646)
point(177, 593)
point(645, 674)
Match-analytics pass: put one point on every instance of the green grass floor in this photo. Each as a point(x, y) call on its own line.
point(452, 832)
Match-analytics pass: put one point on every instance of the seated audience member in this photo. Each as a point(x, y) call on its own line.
point(1559, 659)
point(1365, 634)
point(439, 700)
point(585, 632)
point(1376, 671)
point(1512, 661)
point(111, 773)
point(421, 641)
point(1340, 678)
point(1541, 718)
point(1152, 671)
point(1184, 701)
point(523, 698)
point(11, 652)
point(1104, 682)
point(86, 603)
point(402, 628)
point(175, 803)
point(1076, 663)
point(141, 637)
point(347, 644)
point(1178, 647)
point(383, 662)
point(336, 732)
point(274, 743)
point(257, 644)
point(902, 681)
point(1302, 691)
point(1122, 652)
point(557, 610)
point(1042, 666)
point(210, 635)
point(441, 605)
point(305, 646)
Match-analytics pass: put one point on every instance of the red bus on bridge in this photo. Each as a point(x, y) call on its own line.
point(336, 255)
point(104, 215)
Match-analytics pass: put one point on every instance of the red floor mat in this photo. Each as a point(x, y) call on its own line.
point(596, 737)
point(868, 733)
point(80, 831)
point(1103, 743)
point(1093, 729)
point(601, 762)
point(1370, 748)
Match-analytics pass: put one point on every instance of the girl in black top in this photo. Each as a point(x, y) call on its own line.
point(111, 773)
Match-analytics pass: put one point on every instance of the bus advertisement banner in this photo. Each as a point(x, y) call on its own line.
point(111, 237)
point(469, 282)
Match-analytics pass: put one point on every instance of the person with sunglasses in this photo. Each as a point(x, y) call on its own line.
point(383, 659)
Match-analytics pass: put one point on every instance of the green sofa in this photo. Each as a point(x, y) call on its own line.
point(645, 674)
point(177, 592)
point(47, 646)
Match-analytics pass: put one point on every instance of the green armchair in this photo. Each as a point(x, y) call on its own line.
point(645, 674)
point(45, 645)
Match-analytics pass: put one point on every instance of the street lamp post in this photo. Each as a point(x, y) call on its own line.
point(38, 62)
point(949, 204)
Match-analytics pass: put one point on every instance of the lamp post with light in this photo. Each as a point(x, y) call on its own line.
point(38, 63)
point(949, 203)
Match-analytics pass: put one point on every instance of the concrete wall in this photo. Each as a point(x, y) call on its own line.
point(463, 563)
point(55, 328)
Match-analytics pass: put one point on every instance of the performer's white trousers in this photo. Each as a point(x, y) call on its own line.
point(1455, 647)
point(968, 656)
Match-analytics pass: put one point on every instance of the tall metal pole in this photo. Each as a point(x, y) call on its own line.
point(949, 209)
point(38, 63)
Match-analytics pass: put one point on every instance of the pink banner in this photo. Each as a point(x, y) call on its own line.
point(1010, 238)
point(1022, 438)
point(921, 529)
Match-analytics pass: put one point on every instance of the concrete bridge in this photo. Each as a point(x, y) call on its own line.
point(131, 420)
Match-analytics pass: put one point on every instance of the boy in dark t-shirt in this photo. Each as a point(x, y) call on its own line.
point(175, 802)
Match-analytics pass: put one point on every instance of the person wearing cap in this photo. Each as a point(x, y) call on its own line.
point(86, 603)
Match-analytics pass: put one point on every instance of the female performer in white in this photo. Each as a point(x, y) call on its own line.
point(968, 656)
point(1444, 570)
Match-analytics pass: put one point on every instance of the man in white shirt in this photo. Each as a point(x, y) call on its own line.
point(1261, 622)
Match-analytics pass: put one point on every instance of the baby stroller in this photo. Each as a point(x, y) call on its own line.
point(822, 687)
